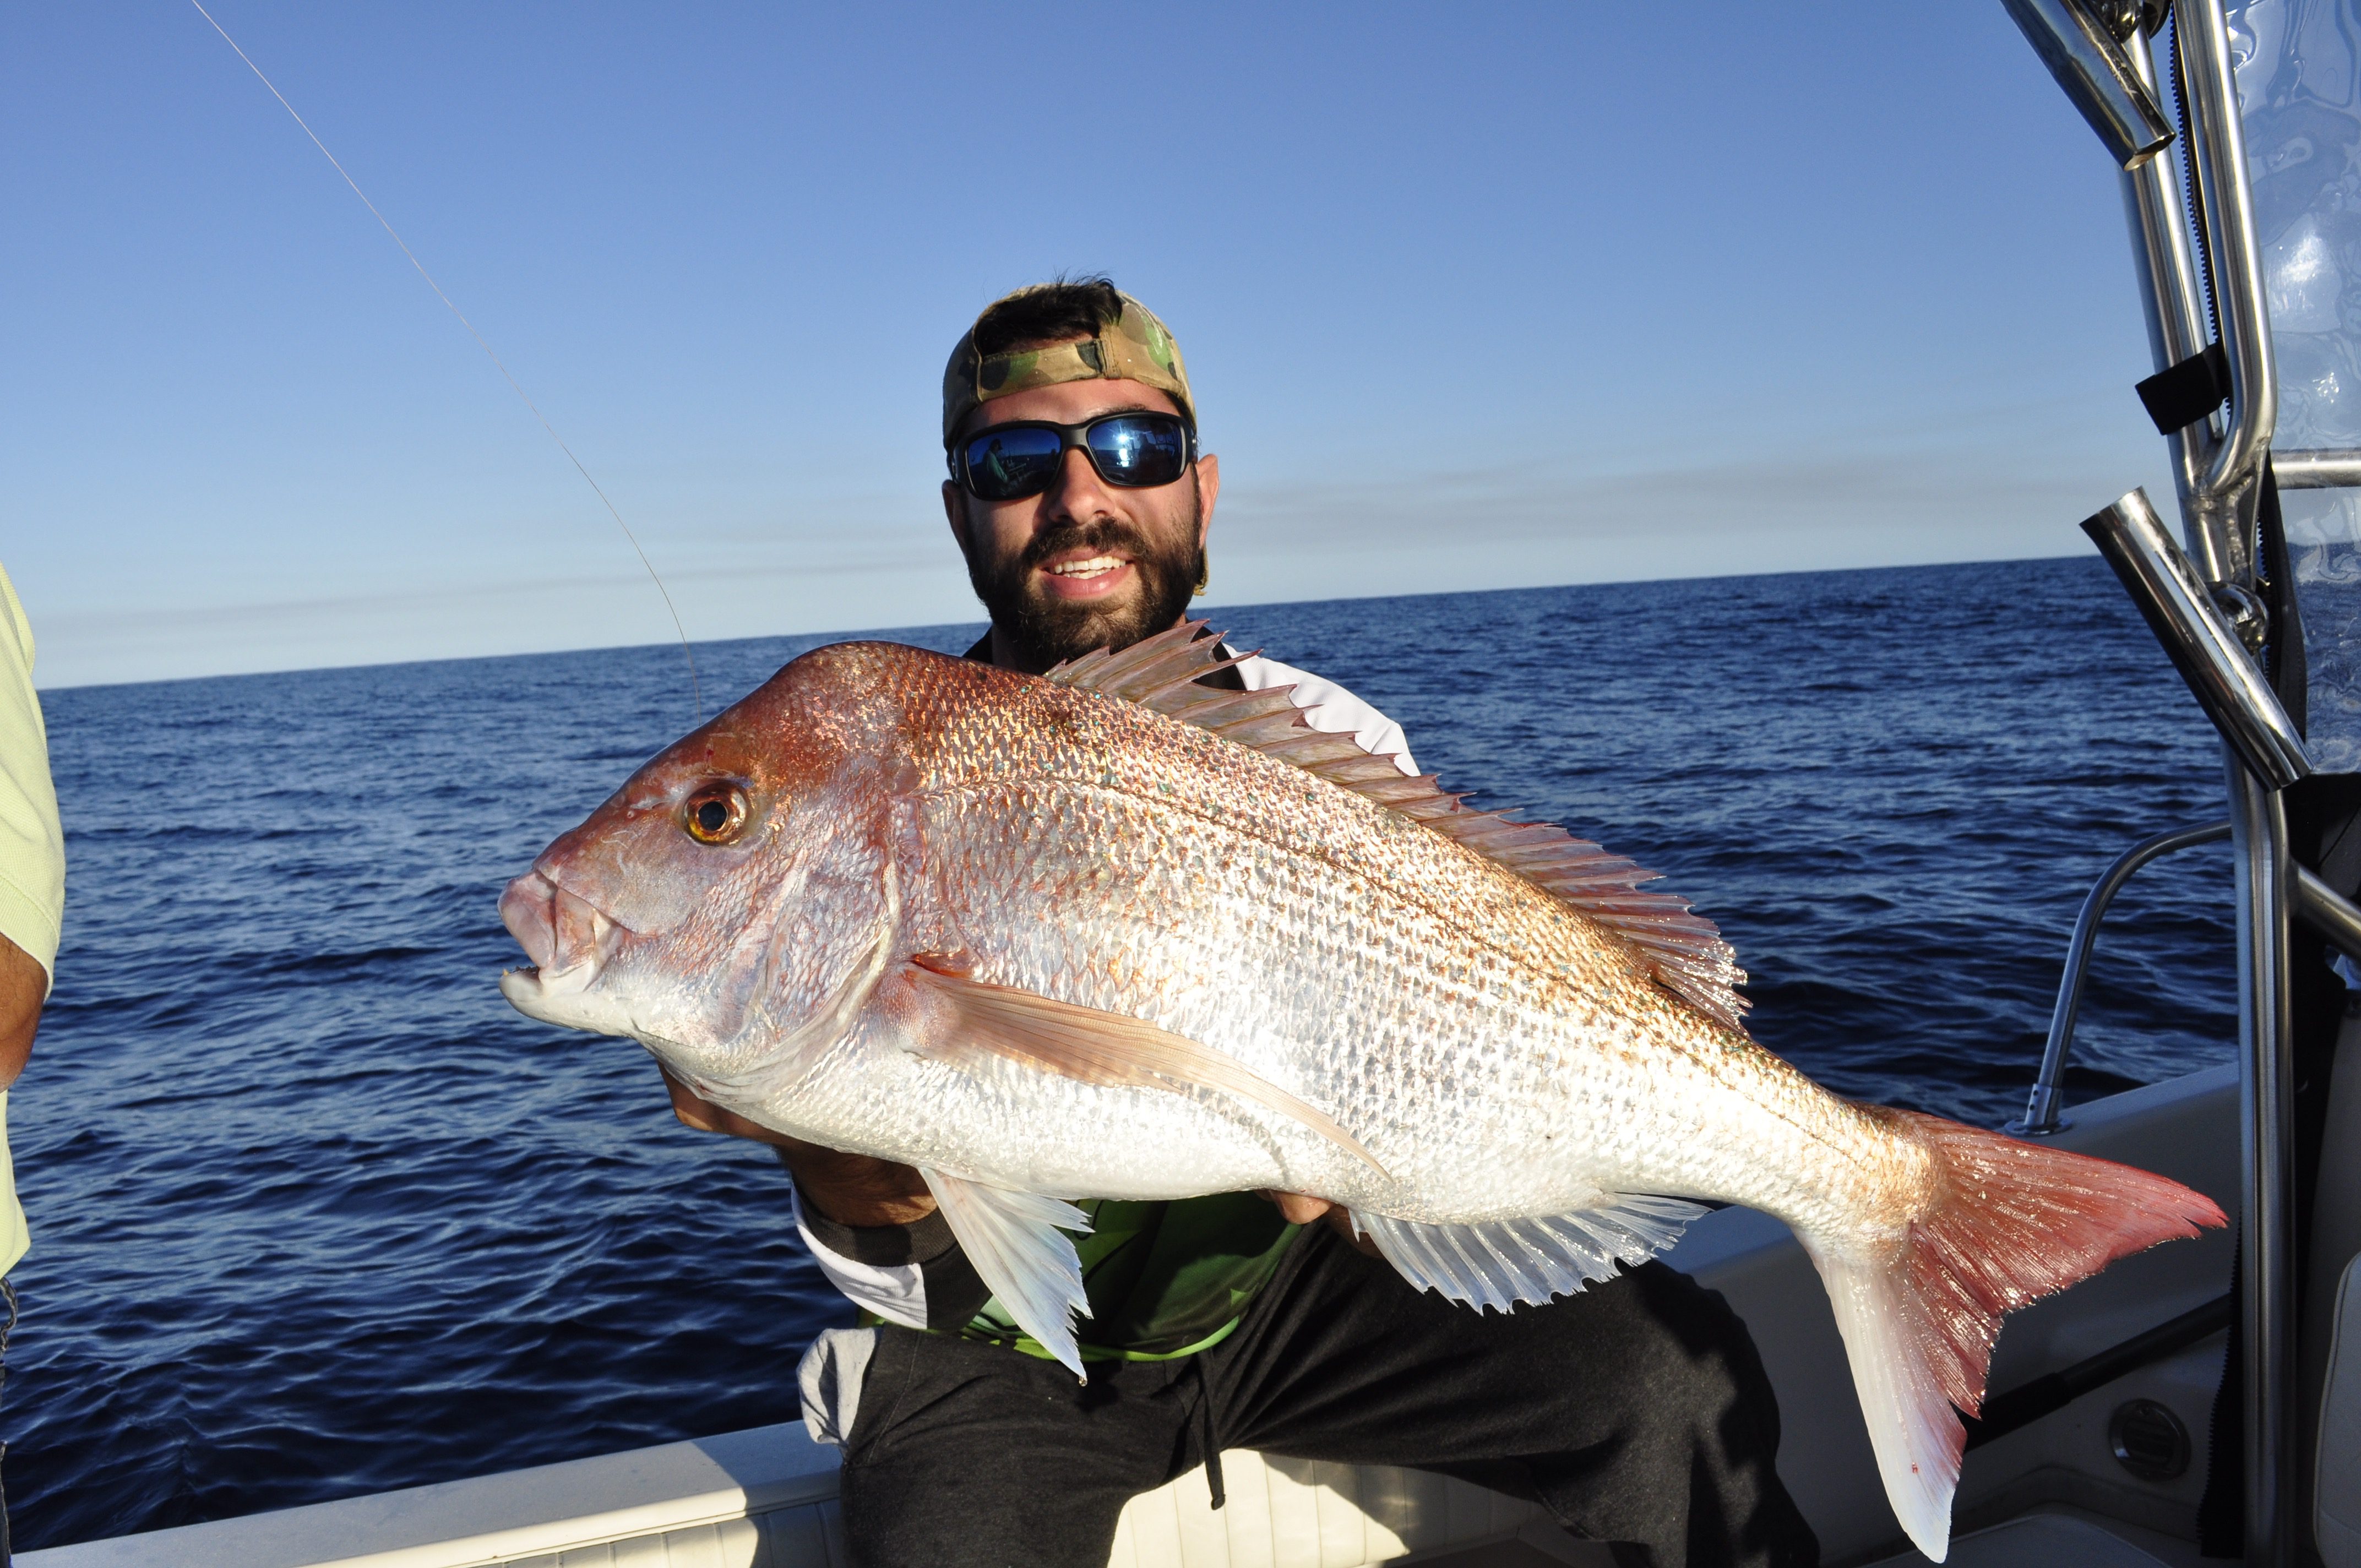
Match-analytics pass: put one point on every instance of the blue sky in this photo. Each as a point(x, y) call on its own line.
point(1471, 299)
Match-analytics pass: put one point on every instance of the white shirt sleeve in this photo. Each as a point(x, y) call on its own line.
point(1330, 707)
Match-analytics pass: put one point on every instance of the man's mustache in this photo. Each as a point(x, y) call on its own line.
point(1097, 536)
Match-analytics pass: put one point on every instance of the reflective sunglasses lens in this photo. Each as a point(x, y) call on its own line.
point(1139, 450)
point(1004, 464)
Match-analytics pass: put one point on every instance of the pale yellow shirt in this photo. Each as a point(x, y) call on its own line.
point(32, 852)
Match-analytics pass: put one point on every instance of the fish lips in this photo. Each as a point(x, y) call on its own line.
point(559, 930)
point(570, 941)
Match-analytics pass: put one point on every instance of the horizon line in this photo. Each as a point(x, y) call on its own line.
point(854, 633)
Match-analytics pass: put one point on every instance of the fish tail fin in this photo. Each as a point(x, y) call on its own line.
point(2008, 1222)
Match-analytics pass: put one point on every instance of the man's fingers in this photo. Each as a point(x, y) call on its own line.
point(1299, 1209)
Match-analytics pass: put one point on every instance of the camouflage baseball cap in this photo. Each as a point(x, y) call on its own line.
point(1135, 346)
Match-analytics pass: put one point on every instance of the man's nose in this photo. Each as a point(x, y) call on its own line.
point(1077, 492)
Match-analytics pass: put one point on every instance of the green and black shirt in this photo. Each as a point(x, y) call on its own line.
point(1164, 1279)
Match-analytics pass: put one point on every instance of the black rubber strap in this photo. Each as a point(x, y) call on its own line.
point(1208, 1437)
point(2284, 664)
point(2178, 397)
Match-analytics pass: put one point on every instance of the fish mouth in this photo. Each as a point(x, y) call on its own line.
point(567, 937)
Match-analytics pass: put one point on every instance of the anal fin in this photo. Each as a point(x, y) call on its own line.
point(1018, 1243)
point(1500, 1263)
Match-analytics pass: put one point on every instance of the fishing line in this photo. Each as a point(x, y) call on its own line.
point(695, 698)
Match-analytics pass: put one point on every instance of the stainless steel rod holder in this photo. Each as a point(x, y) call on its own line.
point(2097, 76)
point(2263, 754)
point(2179, 607)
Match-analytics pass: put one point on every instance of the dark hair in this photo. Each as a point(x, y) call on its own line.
point(1057, 311)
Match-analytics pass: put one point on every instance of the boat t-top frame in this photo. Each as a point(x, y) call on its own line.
point(2227, 622)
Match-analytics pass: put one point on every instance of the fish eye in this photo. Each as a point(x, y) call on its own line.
point(716, 814)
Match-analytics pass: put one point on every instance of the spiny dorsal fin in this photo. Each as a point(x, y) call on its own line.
point(1681, 949)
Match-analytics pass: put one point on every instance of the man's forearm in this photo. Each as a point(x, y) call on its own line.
point(856, 1189)
point(850, 1189)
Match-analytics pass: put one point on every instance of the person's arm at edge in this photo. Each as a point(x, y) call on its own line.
point(24, 986)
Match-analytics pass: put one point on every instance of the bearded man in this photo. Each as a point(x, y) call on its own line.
point(1637, 1411)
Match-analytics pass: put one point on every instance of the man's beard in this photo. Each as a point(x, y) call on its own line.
point(1042, 631)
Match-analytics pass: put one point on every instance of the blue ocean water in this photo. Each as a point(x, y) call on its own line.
point(315, 1214)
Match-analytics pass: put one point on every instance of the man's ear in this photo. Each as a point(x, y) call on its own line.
point(1209, 487)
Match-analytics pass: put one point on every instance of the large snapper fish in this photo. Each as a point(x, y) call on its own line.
point(1116, 934)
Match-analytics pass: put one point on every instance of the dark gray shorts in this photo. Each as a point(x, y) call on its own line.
point(1637, 1412)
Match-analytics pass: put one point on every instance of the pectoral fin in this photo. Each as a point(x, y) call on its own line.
point(1094, 1046)
point(1016, 1241)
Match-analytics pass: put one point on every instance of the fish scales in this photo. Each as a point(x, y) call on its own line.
point(1349, 922)
point(1042, 940)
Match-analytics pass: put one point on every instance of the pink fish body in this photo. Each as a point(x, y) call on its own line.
point(1113, 934)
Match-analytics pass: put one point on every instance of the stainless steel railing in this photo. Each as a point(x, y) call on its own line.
point(2218, 473)
point(2042, 1111)
point(2329, 913)
point(2225, 487)
point(2318, 468)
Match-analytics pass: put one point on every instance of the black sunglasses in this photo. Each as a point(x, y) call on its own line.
point(1134, 451)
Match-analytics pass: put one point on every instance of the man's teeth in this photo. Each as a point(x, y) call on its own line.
point(1089, 569)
